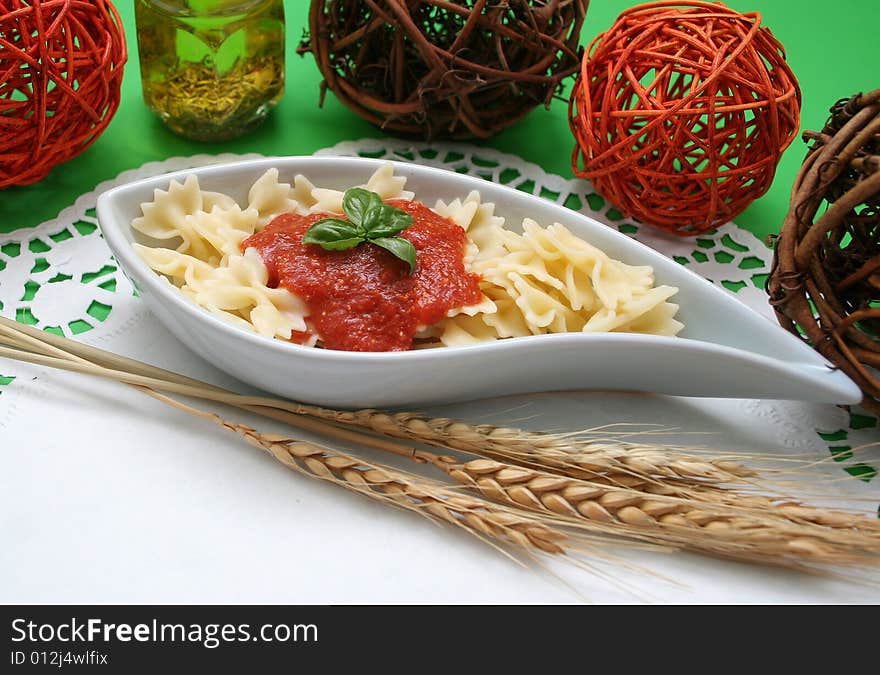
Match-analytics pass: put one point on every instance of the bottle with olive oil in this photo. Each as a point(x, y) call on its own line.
point(211, 69)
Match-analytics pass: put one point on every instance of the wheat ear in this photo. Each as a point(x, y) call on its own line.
point(654, 518)
point(779, 535)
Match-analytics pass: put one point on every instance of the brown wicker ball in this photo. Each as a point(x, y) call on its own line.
point(444, 68)
point(825, 281)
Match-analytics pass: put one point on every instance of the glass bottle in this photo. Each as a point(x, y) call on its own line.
point(211, 69)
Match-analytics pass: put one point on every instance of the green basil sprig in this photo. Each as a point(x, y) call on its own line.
point(369, 219)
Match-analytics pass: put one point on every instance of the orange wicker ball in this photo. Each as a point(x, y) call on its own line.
point(681, 113)
point(60, 72)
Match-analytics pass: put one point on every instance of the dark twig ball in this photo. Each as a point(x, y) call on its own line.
point(444, 68)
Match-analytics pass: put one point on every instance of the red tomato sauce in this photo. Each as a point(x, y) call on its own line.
point(365, 299)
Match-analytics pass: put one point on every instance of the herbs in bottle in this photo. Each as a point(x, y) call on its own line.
point(211, 69)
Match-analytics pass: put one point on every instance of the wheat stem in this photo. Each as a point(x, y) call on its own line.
point(54, 357)
point(622, 462)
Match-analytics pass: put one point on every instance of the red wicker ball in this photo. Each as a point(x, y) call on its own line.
point(681, 113)
point(60, 72)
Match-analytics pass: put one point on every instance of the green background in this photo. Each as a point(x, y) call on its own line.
point(832, 48)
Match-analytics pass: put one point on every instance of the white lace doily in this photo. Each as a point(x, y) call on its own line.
point(61, 277)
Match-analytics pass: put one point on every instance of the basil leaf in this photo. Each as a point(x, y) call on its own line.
point(342, 244)
point(386, 221)
point(333, 234)
point(400, 247)
point(357, 203)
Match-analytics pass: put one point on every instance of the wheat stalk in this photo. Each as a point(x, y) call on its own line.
point(745, 527)
point(552, 451)
point(531, 449)
point(47, 349)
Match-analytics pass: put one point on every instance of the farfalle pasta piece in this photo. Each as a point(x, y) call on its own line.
point(223, 229)
point(501, 319)
point(485, 306)
point(325, 200)
point(658, 321)
point(237, 291)
point(542, 312)
point(461, 212)
point(614, 318)
point(164, 217)
point(179, 268)
point(270, 198)
point(302, 191)
point(383, 182)
point(465, 330)
point(507, 320)
point(485, 230)
point(170, 216)
point(577, 286)
point(388, 186)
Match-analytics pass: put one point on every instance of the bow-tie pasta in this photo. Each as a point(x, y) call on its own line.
point(537, 280)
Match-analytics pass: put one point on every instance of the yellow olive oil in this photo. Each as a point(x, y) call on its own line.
point(211, 69)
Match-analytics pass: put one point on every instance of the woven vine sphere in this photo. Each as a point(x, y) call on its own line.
point(825, 279)
point(681, 112)
point(444, 68)
point(60, 71)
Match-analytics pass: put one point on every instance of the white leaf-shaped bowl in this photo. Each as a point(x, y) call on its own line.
point(725, 350)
